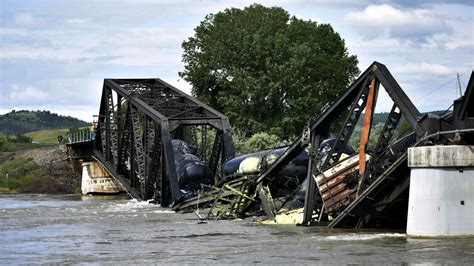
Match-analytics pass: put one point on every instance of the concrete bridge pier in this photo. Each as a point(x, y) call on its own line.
point(96, 180)
point(441, 201)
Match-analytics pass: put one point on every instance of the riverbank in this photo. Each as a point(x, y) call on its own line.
point(37, 169)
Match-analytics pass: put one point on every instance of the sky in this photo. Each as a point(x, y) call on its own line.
point(54, 55)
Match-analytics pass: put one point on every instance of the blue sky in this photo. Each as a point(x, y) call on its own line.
point(54, 55)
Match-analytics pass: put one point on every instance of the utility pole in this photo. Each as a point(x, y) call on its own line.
point(459, 85)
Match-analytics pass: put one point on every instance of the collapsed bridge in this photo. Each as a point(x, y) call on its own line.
point(166, 146)
point(367, 188)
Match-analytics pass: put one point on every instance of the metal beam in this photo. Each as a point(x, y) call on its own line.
point(408, 109)
point(364, 136)
point(135, 101)
point(319, 125)
point(191, 99)
point(145, 130)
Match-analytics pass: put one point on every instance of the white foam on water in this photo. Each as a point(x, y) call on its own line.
point(134, 205)
point(163, 211)
point(361, 236)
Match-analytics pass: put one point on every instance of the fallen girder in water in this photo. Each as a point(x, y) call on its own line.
point(345, 189)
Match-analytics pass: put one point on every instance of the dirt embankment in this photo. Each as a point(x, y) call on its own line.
point(56, 174)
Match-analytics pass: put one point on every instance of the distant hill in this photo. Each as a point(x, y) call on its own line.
point(20, 122)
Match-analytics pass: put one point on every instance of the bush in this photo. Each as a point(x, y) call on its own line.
point(38, 181)
point(24, 175)
point(17, 167)
point(19, 138)
point(257, 142)
point(4, 143)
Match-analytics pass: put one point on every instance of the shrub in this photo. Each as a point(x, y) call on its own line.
point(257, 142)
point(19, 138)
point(37, 181)
point(4, 143)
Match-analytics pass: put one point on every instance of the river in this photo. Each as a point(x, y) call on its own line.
point(47, 229)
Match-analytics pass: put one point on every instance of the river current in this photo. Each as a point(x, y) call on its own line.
point(44, 229)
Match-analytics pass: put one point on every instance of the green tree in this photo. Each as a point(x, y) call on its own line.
point(20, 138)
point(403, 129)
point(375, 133)
point(4, 143)
point(267, 71)
point(257, 142)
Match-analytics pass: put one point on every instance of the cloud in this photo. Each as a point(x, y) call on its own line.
point(71, 91)
point(13, 32)
point(411, 3)
point(99, 59)
point(144, 46)
point(379, 43)
point(461, 38)
point(24, 19)
point(67, 51)
point(26, 94)
point(83, 112)
point(31, 51)
point(57, 91)
point(385, 19)
point(77, 20)
point(132, 46)
point(423, 69)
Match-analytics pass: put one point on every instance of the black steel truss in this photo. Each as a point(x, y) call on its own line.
point(359, 190)
point(136, 133)
point(352, 101)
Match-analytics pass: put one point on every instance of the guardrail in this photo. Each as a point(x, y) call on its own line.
point(81, 135)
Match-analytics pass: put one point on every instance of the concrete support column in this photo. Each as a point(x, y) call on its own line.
point(96, 180)
point(441, 201)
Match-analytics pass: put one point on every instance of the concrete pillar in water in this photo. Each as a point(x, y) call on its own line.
point(96, 180)
point(441, 201)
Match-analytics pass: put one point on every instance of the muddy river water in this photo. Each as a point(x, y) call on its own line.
point(96, 230)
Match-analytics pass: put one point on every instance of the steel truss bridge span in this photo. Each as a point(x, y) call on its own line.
point(138, 120)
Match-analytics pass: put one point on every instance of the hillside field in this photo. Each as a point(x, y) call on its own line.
point(47, 136)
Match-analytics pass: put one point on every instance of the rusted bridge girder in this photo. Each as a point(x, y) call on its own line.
point(138, 118)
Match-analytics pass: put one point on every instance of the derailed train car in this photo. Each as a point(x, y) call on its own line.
point(289, 186)
point(366, 188)
point(190, 169)
point(290, 180)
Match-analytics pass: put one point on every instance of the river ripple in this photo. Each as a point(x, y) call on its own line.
point(93, 230)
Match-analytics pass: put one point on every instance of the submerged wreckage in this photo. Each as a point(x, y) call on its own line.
point(328, 180)
point(166, 146)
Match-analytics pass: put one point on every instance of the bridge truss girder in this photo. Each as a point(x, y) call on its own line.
point(360, 96)
point(138, 118)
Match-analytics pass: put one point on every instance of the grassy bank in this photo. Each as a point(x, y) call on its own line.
point(29, 146)
point(25, 176)
point(36, 167)
point(47, 136)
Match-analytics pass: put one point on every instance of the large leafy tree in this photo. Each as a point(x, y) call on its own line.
point(267, 71)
